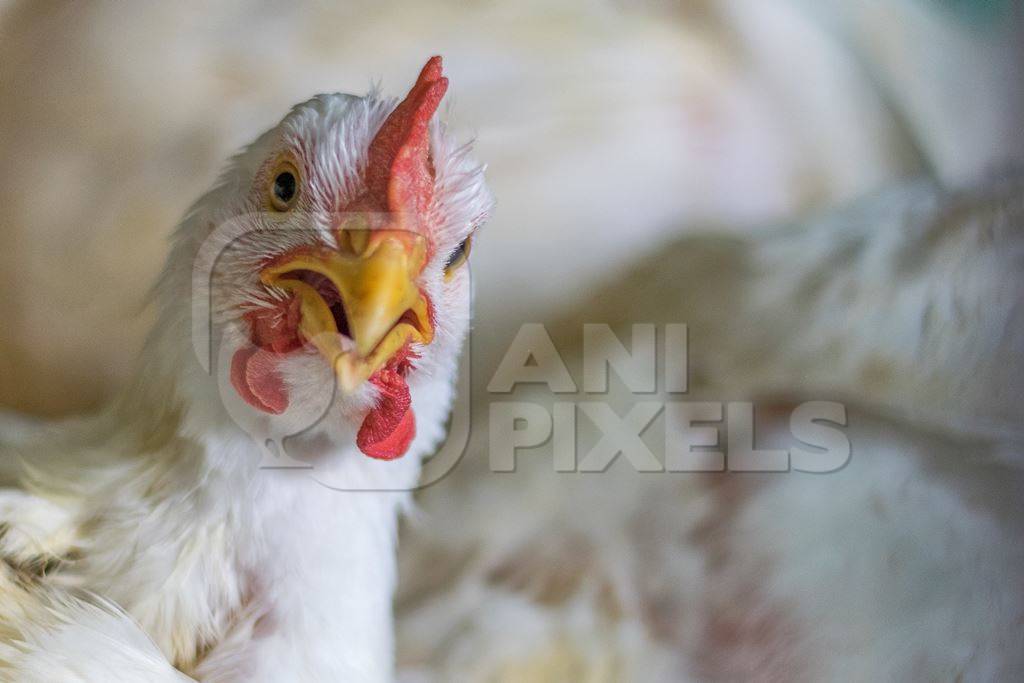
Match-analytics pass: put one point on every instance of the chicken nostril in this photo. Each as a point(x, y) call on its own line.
point(345, 245)
point(354, 237)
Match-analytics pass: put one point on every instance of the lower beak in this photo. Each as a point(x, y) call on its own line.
point(374, 274)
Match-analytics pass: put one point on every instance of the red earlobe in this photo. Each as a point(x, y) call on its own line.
point(255, 377)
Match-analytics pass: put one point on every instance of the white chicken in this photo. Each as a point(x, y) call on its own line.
point(150, 541)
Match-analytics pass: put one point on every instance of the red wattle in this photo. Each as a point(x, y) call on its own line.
point(389, 428)
point(394, 445)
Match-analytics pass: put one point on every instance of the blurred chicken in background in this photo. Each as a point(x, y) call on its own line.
point(893, 554)
point(613, 131)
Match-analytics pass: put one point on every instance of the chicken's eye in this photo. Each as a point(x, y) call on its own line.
point(457, 257)
point(284, 188)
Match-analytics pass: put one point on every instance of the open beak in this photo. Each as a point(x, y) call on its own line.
point(360, 303)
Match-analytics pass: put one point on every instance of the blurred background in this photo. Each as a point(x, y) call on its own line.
point(608, 127)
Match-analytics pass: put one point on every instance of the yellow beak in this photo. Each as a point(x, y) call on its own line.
point(374, 273)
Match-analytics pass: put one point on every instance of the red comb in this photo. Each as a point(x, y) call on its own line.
point(399, 175)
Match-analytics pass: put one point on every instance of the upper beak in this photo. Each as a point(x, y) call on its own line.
point(374, 272)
